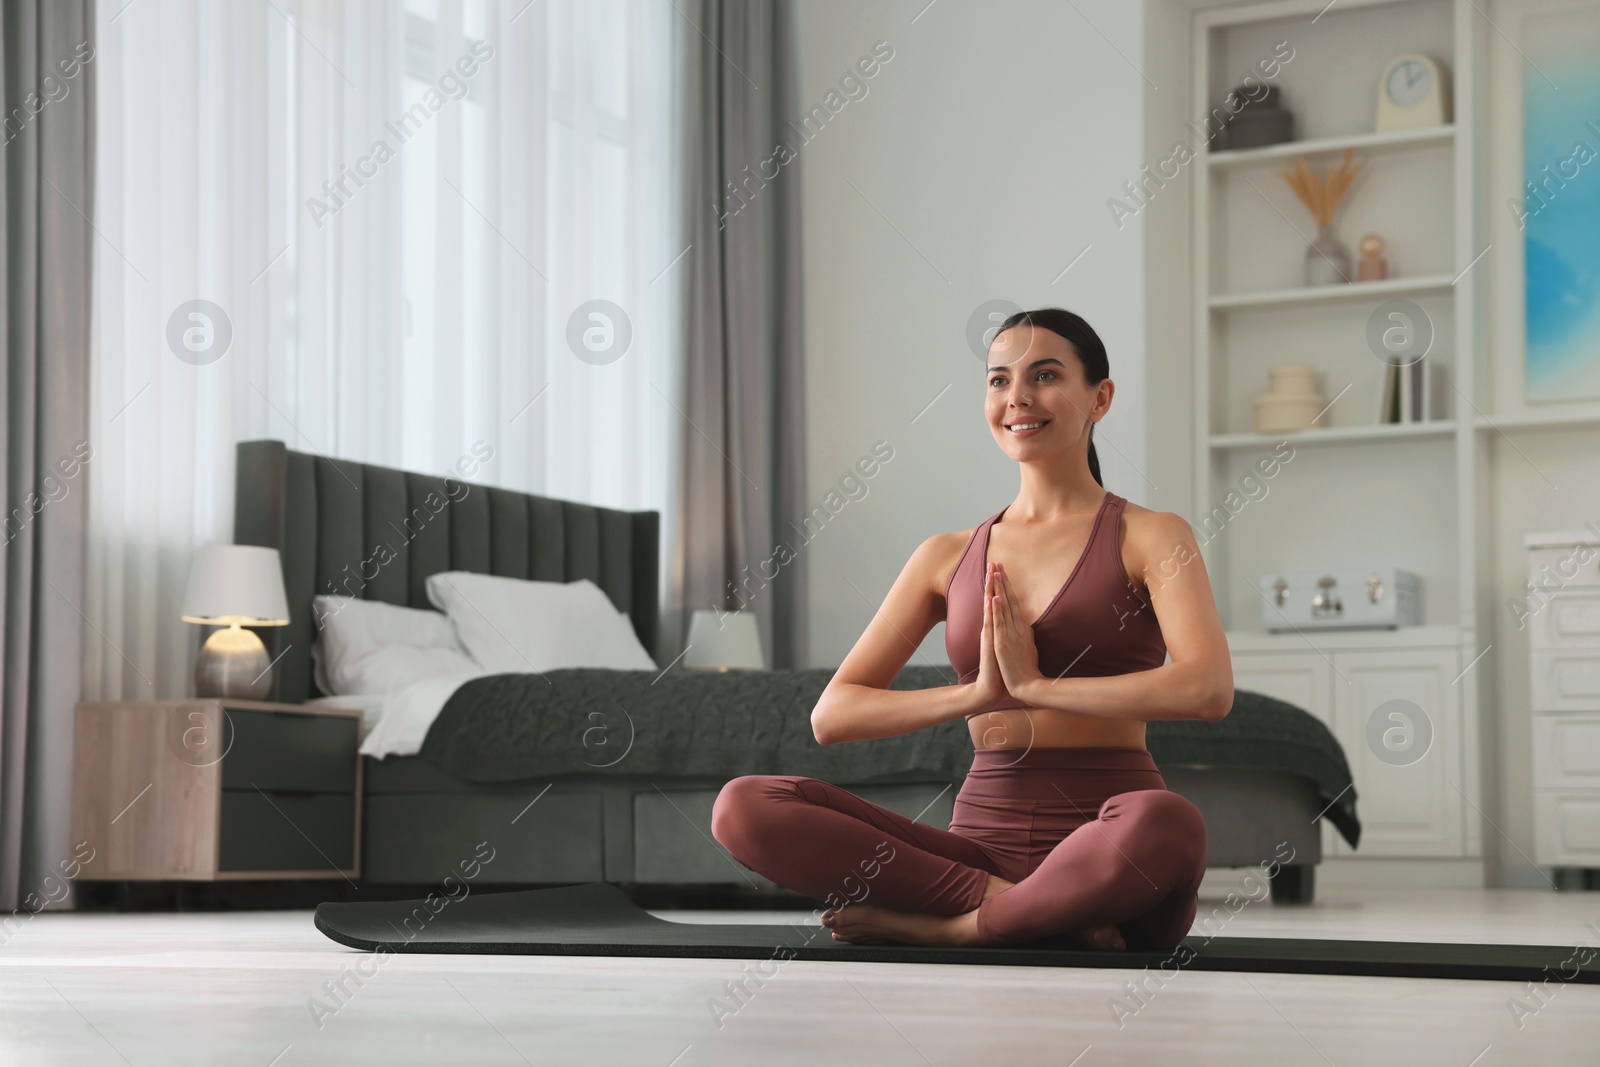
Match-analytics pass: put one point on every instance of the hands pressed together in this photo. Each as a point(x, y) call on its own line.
point(1008, 659)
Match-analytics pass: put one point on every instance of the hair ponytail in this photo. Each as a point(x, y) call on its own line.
point(1085, 342)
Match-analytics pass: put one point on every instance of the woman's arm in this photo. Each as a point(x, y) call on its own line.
point(857, 704)
point(1198, 683)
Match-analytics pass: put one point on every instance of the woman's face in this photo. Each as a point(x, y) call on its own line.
point(1034, 376)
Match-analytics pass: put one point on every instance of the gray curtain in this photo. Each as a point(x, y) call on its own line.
point(740, 538)
point(48, 75)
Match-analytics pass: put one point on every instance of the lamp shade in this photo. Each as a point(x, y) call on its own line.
point(231, 584)
point(723, 639)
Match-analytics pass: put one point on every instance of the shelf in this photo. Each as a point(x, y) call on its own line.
point(1396, 140)
point(1426, 635)
point(1302, 295)
point(1538, 420)
point(1336, 434)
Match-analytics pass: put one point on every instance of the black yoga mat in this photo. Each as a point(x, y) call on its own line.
point(598, 919)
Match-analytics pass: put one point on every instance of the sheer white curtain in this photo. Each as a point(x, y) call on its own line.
point(403, 213)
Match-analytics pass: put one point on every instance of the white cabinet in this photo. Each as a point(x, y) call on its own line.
point(1397, 713)
point(1398, 717)
point(1560, 608)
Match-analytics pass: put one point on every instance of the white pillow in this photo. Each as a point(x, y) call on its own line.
point(515, 626)
point(369, 647)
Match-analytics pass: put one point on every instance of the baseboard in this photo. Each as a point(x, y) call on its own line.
point(1444, 873)
point(1523, 876)
point(1358, 873)
point(1219, 882)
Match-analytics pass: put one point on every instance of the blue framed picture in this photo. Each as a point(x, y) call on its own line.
point(1561, 203)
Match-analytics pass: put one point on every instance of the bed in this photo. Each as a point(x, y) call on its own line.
point(589, 774)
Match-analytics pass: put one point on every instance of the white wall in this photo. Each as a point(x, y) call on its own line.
point(977, 167)
point(1169, 404)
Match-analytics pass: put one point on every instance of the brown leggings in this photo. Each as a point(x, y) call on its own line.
point(1089, 835)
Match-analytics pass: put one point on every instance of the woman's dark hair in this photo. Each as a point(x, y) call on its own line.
point(1085, 342)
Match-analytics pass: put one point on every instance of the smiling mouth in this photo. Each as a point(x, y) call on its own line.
point(1032, 426)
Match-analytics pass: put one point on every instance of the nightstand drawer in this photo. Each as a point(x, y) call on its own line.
point(1564, 566)
point(1568, 619)
point(287, 831)
point(289, 750)
point(1564, 681)
point(1566, 828)
point(1566, 751)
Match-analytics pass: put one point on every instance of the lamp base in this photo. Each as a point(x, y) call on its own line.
point(233, 663)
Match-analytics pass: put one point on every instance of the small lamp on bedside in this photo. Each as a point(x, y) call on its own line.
point(723, 641)
point(234, 586)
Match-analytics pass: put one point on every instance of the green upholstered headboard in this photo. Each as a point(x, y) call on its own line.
point(354, 529)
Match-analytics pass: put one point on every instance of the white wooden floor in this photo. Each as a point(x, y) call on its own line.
point(240, 988)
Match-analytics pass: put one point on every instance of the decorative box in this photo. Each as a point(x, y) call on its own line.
point(1380, 599)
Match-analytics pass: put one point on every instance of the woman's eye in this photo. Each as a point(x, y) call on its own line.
point(997, 380)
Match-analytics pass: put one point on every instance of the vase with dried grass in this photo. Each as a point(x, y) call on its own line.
point(1327, 260)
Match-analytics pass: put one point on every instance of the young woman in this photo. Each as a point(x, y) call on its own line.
point(1063, 825)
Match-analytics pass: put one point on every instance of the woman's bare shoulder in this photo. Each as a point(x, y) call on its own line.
point(1160, 522)
point(943, 551)
point(1152, 519)
point(1154, 536)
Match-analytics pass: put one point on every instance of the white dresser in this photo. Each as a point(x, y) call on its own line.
point(1560, 609)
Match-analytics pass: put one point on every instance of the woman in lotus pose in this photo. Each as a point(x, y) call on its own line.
point(1063, 825)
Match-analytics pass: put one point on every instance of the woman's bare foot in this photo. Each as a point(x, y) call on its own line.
point(1101, 937)
point(866, 924)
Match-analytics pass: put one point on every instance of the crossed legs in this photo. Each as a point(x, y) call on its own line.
point(815, 838)
point(1137, 864)
point(1135, 868)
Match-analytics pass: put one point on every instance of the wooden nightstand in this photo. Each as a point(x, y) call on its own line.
point(216, 789)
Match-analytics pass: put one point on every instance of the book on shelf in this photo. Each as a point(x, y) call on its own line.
point(1411, 392)
point(1389, 394)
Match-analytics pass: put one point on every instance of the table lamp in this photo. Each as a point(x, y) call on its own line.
point(234, 586)
point(723, 641)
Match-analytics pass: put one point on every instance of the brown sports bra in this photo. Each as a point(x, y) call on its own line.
point(1102, 628)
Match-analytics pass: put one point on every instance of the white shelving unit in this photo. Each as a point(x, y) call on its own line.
point(1355, 494)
